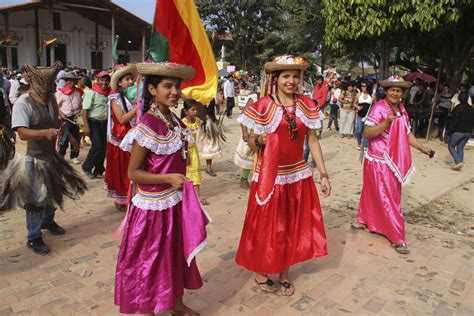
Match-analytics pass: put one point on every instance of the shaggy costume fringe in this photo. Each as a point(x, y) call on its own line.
point(56, 179)
point(213, 131)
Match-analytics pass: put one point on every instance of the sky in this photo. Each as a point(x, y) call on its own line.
point(141, 8)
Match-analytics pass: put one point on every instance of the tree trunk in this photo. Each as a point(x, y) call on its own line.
point(384, 50)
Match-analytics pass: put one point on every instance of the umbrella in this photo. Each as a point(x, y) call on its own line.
point(419, 75)
point(223, 73)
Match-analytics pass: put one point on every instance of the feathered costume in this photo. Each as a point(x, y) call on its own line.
point(52, 178)
point(211, 135)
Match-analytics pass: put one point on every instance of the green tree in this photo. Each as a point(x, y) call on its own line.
point(439, 29)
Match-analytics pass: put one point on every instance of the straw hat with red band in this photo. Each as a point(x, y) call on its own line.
point(120, 71)
point(286, 62)
point(395, 81)
point(166, 69)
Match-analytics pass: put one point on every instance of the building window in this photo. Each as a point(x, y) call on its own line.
point(57, 21)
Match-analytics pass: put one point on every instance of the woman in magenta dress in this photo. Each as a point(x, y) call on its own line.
point(121, 119)
point(153, 268)
point(284, 224)
point(387, 165)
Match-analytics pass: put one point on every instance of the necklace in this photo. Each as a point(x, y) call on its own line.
point(173, 125)
point(290, 117)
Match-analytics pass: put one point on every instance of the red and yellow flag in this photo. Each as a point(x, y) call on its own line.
point(179, 36)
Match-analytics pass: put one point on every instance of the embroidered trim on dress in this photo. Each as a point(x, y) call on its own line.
point(147, 200)
point(259, 129)
point(368, 122)
point(370, 157)
point(288, 178)
point(114, 140)
point(260, 202)
point(403, 180)
point(309, 122)
point(145, 137)
point(120, 199)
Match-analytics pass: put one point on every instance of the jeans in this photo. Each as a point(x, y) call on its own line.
point(73, 130)
point(230, 103)
point(358, 129)
point(38, 213)
point(96, 156)
point(456, 144)
point(333, 118)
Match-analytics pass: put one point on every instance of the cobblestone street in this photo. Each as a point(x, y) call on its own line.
point(362, 274)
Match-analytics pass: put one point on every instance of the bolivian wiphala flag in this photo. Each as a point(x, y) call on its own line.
point(179, 36)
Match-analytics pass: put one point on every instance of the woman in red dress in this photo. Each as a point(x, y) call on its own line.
point(121, 120)
point(284, 224)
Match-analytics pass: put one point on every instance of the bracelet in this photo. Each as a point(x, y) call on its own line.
point(323, 175)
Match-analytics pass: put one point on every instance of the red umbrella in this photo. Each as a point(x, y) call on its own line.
point(419, 75)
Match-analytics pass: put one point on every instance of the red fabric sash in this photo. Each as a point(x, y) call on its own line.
point(67, 90)
point(268, 169)
point(97, 88)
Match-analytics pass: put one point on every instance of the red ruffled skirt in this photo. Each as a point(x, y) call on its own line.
point(287, 230)
point(116, 181)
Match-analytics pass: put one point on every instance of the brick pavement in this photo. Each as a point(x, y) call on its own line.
point(361, 275)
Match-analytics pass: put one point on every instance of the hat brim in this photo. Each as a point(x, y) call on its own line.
point(129, 69)
point(399, 84)
point(272, 67)
point(182, 72)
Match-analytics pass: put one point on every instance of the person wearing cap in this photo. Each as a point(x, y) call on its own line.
point(20, 77)
point(165, 224)
point(39, 181)
point(69, 100)
point(94, 115)
point(284, 224)
point(121, 118)
point(387, 165)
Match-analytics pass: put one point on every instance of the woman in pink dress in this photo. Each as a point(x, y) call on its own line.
point(155, 263)
point(387, 165)
point(284, 224)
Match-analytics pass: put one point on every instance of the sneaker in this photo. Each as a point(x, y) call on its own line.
point(89, 174)
point(98, 176)
point(75, 161)
point(54, 228)
point(38, 246)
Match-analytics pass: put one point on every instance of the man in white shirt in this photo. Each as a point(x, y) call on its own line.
point(229, 95)
point(455, 100)
point(414, 90)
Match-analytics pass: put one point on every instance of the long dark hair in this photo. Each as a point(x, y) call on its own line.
point(187, 104)
point(149, 99)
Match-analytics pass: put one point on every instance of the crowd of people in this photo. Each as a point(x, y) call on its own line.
point(150, 160)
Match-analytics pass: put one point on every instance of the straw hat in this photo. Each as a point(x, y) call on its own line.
point(395, 81)
point(120, 71)
point(167, 69)
point(286, 62)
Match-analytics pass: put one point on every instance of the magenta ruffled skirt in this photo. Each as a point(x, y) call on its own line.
point(151, 266)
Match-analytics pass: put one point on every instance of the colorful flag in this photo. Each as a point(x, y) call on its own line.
point(114, 49)
point(179, 31)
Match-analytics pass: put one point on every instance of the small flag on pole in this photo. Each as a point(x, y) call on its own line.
point(114, 49)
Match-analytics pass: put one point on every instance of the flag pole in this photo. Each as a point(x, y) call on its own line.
point(428, 132)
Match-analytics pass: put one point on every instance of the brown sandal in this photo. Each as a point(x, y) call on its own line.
point(401, 248)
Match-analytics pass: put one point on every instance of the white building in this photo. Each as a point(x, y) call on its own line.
point(83, 30)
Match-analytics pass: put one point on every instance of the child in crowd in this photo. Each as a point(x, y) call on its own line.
point(190, 119)
point(121, 119)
